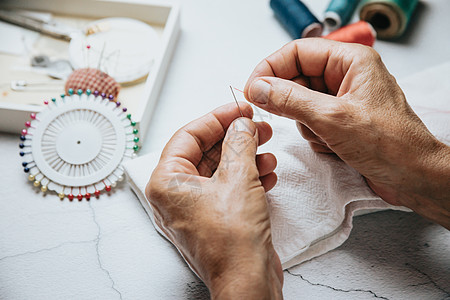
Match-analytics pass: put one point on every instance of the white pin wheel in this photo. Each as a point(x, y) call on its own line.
point(77, 145)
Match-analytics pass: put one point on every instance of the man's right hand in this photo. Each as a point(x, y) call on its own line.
point(345, 102)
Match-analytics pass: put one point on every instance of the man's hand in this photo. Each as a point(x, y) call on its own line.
point(345, 102)
point(208, 196)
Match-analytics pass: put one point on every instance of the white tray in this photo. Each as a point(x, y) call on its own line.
point(163, 14)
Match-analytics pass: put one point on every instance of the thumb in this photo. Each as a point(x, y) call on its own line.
point(289, 99)
point(238, 158)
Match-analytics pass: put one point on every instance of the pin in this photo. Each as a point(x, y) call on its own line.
point(86, 57)
point(101, 56)
point(235, 100)
point(86, 76)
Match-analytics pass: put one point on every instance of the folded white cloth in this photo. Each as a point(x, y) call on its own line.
point(312, 205)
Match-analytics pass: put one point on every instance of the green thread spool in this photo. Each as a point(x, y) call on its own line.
point(339, 13)
point(388, 17)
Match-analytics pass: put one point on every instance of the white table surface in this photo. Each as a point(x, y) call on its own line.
point(108, 249)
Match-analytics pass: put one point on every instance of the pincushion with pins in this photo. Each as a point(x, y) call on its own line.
point(94, 80)
point(76, 146)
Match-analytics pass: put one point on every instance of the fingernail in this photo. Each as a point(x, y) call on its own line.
point(259, 91)
point(244, 125)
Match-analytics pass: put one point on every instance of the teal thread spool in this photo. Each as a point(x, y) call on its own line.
point(339, 13)
point(388, 17)
point(296, 18)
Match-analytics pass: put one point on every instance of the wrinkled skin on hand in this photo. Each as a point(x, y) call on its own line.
point(208, 196)
point(345, 102)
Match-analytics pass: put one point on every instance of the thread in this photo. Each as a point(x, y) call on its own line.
point(389, 18)
point(339, 13)
point(360, 32)
point(296, 18)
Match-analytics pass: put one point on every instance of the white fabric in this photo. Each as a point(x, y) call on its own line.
point(317, 195)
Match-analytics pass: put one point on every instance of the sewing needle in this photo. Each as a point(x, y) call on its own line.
point(235, 100)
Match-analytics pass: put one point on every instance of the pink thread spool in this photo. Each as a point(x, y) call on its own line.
point(360, 32)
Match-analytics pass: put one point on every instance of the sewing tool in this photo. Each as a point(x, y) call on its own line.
point(339, 13)
point(129, 55)
point(235, 100)
point(41, 61)
point(360, 32)
point(388, 17)
point(59, 68)
point(93, 80)
point(26, 86)
point(75, 147)
point(296, 18)
point(49, 27)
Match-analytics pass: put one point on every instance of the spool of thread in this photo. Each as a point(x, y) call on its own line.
point(339, 13)
point(360, 32)
point(94, 80)
point(296, 18)
point(388, 17)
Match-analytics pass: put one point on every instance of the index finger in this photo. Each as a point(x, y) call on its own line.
point(185, 149)
point(310, 57)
